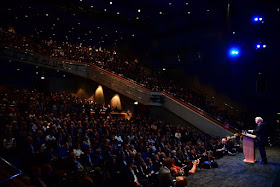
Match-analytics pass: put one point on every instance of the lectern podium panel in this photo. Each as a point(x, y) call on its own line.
point(249, 148)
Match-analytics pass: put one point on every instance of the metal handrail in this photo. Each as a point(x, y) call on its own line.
point(12, 166)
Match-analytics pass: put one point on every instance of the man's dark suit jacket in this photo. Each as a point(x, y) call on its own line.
point(85, 160)
point(261, 132)
point(165, 178)
point(128, 177)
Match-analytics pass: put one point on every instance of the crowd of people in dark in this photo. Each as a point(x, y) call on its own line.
point(129, 68)
point(59, 140)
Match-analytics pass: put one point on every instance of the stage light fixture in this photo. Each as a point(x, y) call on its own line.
point(258, 19)
point(234, 52)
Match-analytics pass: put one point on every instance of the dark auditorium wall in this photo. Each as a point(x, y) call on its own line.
point(236, 84)
point(162, 113)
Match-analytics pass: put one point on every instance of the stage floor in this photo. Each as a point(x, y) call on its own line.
point(233, 172)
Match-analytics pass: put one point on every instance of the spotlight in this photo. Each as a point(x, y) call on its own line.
point(258, 19)
point(258, 46)
point(264, 46)
point(234, 52)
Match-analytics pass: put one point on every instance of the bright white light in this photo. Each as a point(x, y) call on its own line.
point(47, 14)
point(189, 12)
point(137, 17)
point(234, 52)
point(170, 4)
point(160, 12)
point(163, 69)
point(264, 46)
point(139, 10)
point(258, 46)
point(118, 13)
point(111, 3)
point(260, 19)
point(42, 78)
point(105, 10)
point(37, 72)
point(135, 103)
point(187, 4)
point(256, 19)
point(233, 32)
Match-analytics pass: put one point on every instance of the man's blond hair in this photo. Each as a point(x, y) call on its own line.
point(259, 119)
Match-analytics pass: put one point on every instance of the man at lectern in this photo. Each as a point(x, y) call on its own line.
point(261, 132)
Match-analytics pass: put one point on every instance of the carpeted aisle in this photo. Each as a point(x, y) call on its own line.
point(233, 172)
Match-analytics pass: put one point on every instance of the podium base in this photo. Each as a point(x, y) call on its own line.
point(249, 161)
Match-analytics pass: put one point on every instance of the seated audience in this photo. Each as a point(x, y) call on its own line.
point(63, 123)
